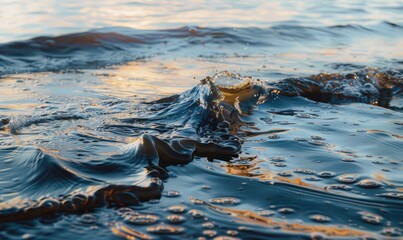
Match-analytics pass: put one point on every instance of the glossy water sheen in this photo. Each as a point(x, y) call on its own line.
point(110, 127)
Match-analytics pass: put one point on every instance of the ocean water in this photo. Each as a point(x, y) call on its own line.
point(202, 120)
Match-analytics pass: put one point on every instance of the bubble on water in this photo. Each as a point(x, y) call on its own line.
point(318, 143)
point(196, 213)
point(338, 187)
point(318, 236)
point(265, 213)
point(347, 178)
point(285, 174)
point(371, 217)
point(326, 174)
point(304, 171)
point(286, 210)
point(274, 136)
point(368, 183)
point(280, 164)
point(226, 238)
point(165, 229)
point(318, 138)
point(142, 219)
point(209, 233)
point(312, 178)
point(177, 209)
point(378, 162)
point(232, 232)
point(348, 160)
point(391, 232)
point(319, 218)
point(172, 193)
point(277, 159)
point(175, 218)
point(208, 225)
point(196, 201)
point(228, 201)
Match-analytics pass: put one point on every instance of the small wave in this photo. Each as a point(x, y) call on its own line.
point(108, 46)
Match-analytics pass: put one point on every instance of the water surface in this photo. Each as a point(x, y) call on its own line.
point(164, 120)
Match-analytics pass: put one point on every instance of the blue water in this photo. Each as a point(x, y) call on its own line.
point(215, 120)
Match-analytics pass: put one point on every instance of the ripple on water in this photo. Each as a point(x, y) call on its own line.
point(395, 195)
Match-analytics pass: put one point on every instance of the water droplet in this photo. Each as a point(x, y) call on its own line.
point(232, 232)
point(280, 164)
point(209, 233)
point(175, 218)
point(392, 232)
point(304, 171)
point(177, 209)
point(318, 236)
point(348, 160)
point(225, 238)
point(143, 219)
point(196, 213)
point(319, 218)
point(277, 159)
point(338, 187)
point(347, 178)
point(172, 193)
point(286, 210)
point(371, 217)
point(196, 201)
point(326, 174)
point(228, 201)
point(318, 138)
point(165, 229)
point(285, 174)
point(274, 136)
point(208, 225)
point(265, 213)
point(368, 183)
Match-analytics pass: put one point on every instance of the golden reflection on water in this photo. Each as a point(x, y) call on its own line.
point(250, 216)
